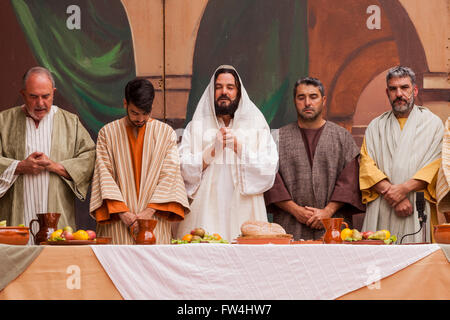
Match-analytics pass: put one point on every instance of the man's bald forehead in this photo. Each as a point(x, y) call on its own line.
point(37, 71)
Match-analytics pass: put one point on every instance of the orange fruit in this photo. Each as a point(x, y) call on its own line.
point(187, 237)
point(217, 236)
point(81, 235)
point(56, 234)
point(346, 233)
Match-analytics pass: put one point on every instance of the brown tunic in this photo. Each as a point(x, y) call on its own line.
point(316, 166)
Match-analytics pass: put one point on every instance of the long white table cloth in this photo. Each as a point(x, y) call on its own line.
point(252, 272)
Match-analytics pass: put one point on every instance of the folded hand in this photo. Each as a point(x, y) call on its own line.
point(395, 194)
point(314, 221)
point(404, 208)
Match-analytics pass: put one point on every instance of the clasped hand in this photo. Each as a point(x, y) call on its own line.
point(35, 163)
point(226, 138)
point(396, 197)
point(312, 216)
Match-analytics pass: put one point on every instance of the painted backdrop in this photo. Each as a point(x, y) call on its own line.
point(94, 47)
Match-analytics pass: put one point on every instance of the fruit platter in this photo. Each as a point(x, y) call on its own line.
point(353, 236)
point(199, 235)
point(67, 236)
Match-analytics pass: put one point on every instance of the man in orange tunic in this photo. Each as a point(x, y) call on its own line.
point(137, 172)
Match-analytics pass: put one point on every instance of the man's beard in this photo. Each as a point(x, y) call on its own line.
point(226, 110)
point(403, 109)
point(134, 123)
point(310, 117)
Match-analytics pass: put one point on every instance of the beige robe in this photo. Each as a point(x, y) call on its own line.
point(443, 181)
point(161, 180)
point(72, 147)
point(399, 155)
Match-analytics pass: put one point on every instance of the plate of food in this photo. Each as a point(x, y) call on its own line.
point(354, 236)
point(199, 235)
point(260, 232)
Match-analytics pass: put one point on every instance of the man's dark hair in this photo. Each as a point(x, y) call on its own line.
point(236, 80)
point(141, 93)
point(309, 81)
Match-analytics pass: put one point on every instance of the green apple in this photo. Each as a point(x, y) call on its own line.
point(68, 228)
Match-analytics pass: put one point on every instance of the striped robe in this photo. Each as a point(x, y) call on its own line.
point(443, 181)
point(113, 179)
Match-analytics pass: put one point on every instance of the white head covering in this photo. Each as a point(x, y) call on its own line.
point(248, 125)
point(247, 118)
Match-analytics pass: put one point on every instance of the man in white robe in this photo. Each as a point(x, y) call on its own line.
point(400, 155)
point(228, 159)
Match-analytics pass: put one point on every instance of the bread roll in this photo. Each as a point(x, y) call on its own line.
point(261, 228)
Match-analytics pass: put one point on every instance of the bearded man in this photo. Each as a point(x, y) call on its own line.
point(228, 158)
point(137, 172)
point(46, 155)
point(400, 155)
point(318, 168)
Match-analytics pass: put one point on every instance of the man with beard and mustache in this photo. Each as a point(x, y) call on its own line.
point(318, 169)
point(228, 158)
point(400, 155)
point(137, 172)
point(46, 155)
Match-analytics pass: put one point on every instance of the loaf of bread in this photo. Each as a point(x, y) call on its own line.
point(261, 228)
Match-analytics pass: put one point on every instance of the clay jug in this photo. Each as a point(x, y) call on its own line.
point(333, 229)
point(145, 231)
point(48, 222)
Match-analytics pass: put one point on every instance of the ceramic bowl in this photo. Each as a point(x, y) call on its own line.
point(14, 235)
point(442, 233)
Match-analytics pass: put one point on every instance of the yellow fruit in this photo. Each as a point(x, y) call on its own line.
point(56, 234)
point(217, 236)
point(346, 233)
point(81, 235)
point(388, 234)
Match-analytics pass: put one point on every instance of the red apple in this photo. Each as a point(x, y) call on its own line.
point(91, 234)
point(68, 235)
point(367, 234)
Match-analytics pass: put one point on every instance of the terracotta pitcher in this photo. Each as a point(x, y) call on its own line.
point(145, 231)
point(48, 222)
point(333, 229)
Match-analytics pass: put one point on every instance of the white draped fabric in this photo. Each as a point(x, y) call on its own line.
point(252, 272)
point(230, 190)
point(400, 154)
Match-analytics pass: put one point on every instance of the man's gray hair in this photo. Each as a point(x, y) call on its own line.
point(401, 72)
point(37, 70)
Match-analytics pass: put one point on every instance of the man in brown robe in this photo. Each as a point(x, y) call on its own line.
point(318, 168)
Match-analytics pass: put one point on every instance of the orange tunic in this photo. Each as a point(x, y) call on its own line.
point(107, 212)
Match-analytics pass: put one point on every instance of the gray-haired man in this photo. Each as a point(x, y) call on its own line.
point(400, 155)
point(46, 155)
